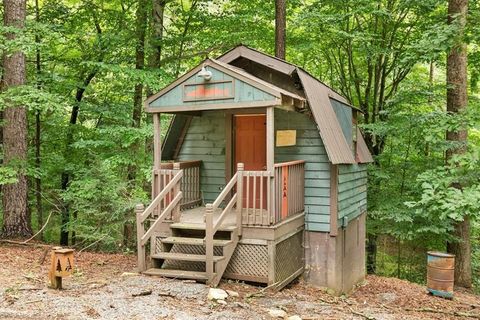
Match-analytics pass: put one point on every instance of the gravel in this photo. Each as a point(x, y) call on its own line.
point(120, 299)
point(105, 286)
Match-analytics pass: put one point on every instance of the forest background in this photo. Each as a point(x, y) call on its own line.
point(91, 63)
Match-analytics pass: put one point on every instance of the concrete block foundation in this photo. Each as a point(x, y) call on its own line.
point(336, 262)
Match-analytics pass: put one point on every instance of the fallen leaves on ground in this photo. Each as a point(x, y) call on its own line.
point(23, 282)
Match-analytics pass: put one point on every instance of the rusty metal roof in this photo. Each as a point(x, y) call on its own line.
point(363, 154)
point(259, 57)
point(317, 93)
point(275, 63)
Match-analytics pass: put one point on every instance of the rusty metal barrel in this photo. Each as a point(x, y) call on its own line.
point(440, 274)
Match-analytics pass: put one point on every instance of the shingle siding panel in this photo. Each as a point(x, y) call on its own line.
point(205, 140)
point(309, 147)
point(352, 190)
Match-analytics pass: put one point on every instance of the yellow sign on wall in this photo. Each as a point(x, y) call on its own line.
point(286, 138)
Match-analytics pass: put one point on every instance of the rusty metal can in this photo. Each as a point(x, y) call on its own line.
point(440, 274)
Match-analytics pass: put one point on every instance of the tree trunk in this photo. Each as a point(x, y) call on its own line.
point(38, 181)
point(141, 26)
point(155, 59)
point(158, 11)
point(457, 103)
point(16, 219)
point(371, 254)
point(280, 28)
point(65, 178)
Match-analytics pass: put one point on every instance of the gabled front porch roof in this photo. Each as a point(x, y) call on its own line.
point(312, 92)
point(172, 98)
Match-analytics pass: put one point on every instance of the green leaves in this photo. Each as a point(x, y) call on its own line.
point(7, 175)
point(31, 97)
point(450, 193)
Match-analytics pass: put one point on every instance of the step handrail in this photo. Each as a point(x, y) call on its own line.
point(228, 188)
point(161, 196)
point(161, 217)
point(143, 237)
point(211, 227)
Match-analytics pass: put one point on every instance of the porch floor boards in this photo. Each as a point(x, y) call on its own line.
point(196, 216)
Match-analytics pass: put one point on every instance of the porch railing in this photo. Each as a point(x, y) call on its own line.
point(257, 198)
point(190, 183)
point(148, 218)
point(231, 195)
point(289, 189)
point(288, 198)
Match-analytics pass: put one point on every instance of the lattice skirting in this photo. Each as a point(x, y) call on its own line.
point(269, 262)
point(289, 256)
point(249, 262)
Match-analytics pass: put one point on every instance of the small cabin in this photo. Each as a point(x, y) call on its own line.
point(261, 177)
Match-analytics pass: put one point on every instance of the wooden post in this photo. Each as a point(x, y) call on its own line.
point(141, 263)
point(271, 160)
point(209, 241)
point(333, 200)
point(240, 168)
point(157, 141)
point(176, 190)
point(157, 159)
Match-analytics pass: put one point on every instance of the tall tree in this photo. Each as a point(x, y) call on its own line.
point(158, 13)
point(367, 50)
point(66, 175)
point(140, 30)
point(38, 180)
point(457, 103)
point(16, 220)
point(87, 77)
point(280, 28)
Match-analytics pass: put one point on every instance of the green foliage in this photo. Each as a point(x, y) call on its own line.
point(7, 175)
point(100, 199)
point(452, 192)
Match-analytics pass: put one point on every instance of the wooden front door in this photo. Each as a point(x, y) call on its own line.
point(250, 148)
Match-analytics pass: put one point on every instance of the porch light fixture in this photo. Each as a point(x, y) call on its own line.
point(205, 74)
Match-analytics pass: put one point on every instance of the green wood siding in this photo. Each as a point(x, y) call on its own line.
point(352, 190)
point(205, 140)
point(310, 148)
point(243, 92)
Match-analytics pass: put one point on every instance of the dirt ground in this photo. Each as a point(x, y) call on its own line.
point(105, 286)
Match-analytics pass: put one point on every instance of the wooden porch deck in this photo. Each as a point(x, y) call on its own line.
point(197, 215)
point(258, 234)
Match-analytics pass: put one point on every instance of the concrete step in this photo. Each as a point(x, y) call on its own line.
point(179, 274)
point(184, 257)
point(194, 241)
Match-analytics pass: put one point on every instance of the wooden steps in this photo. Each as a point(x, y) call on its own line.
point(199, 226)
point(178, 247)
point(194, 241)
point(184, 257)
point(179, 274)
